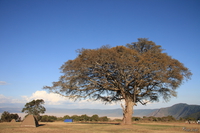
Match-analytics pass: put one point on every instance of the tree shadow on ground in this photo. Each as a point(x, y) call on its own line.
point(41, 125)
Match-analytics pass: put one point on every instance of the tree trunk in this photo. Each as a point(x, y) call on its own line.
point(127, 113)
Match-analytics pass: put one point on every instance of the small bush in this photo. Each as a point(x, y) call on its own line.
point(46, 118)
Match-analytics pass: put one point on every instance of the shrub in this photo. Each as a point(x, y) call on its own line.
point(46, 118)
point(7, 117)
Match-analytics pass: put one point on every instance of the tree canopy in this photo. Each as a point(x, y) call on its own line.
point(34, 107)
point(136, 73)
point(7, 117)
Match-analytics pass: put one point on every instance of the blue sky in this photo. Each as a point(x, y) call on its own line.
point(38, 36)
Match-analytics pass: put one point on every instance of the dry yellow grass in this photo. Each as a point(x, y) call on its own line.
point(61, 127)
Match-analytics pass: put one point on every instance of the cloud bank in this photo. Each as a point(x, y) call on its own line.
point(4, 99)
point(52, 99)
point(3, 83)
point(56, 101)
point(49, 98)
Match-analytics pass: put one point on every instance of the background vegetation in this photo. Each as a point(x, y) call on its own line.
point(7, 117)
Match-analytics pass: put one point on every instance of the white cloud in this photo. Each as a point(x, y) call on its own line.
point(4, 99)
point(57, 100)
point(3, 83)
point(49, 98)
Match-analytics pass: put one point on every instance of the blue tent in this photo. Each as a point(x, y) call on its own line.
point(68, 120)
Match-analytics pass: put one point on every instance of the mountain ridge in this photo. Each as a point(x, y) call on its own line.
point(177, 111)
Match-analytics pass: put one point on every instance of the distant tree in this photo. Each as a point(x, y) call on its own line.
point(95, 118)
point(75, 118)
point(104, 118)
point(66, 117)
point(136, 118)
point(152, 118)
point(15, 116)
point(159, 119)
point(47, 118)
point(171, 118)
point(137, 73)
point(7, 117)
point(84, 118)
point(35, 108)
point(168, 118)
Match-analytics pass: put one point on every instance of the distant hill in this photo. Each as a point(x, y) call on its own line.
point(100, 112)
point(11, 110)
point(178, 110)
point(194, 115)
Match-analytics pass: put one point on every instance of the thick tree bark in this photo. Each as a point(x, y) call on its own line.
point(127, 113)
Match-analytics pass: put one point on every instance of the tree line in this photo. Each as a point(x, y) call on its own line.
point(7, 117)
point(162, 119)
point(76, 118)
point(152, 118)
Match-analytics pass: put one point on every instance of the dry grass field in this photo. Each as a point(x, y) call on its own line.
point(61, 127)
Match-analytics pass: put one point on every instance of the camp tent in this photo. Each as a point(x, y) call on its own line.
point(30, 121)
point(13, 120)
point(68, 120)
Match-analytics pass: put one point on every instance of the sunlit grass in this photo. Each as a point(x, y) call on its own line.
point(61, 127)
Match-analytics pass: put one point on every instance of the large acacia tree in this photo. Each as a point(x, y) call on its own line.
point(135, 73)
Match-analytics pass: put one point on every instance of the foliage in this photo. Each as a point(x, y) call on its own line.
point(66, 117)
point(168, 118)
point(95, 118)
point(7, 117)
point(75, 118)
point(104, 118)
point(47, 118)
point(152, 118)
point(84, 118)
point(136, 118)
point(35, 108)
point(137, 73)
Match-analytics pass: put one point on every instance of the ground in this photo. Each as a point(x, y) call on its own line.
point(61, 127)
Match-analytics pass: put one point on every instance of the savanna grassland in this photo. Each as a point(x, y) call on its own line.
point(61, 127)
